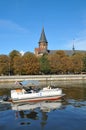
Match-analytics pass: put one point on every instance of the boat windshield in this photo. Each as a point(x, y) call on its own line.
point(29, 82)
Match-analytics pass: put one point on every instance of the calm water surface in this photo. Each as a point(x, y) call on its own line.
point(69, 114)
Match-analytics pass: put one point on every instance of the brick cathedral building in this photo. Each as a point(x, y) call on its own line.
point(43, 47)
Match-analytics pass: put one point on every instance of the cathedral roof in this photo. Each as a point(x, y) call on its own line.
point(68, 52)
point(43, 37)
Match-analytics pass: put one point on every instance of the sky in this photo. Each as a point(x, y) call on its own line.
point(21, 23)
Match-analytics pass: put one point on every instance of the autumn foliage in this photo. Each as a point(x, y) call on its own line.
point(29, 64)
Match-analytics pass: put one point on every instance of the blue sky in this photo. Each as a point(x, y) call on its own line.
point(21, 23)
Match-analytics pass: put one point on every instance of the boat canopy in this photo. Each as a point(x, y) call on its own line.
point(28, 83)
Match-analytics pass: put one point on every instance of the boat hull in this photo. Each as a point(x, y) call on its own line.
point(51, 98)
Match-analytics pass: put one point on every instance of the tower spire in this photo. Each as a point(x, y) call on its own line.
point(73, 48)
point(43, 37)
point(73, 45)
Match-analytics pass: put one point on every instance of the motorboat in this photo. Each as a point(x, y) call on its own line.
point(22, 94)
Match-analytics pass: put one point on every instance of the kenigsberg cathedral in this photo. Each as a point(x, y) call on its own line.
point(43, 47)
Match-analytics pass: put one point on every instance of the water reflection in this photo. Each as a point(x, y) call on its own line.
point(40, 114)
point(45, 106)
point(28, 113)
point(47, 115)
point(35, 111)
point(75, 103)
point(31, 115)
point(76, 93)
point(4, 106)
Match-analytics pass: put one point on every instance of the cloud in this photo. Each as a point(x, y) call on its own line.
point(11, 26)
point(22, 52)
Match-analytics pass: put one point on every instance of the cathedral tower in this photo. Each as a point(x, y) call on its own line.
point(43, 44)
point(43, 41)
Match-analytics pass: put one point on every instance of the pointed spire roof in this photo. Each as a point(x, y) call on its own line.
point(73, 48)
point(43, 37)
point(73, 45)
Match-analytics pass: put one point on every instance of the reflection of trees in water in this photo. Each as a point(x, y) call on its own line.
point(29, 114)
point(75, 92)
point(84, 89)
point(4, 91)
point(33, 115)
point(44, 119)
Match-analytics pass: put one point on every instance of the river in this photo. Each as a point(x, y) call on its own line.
point(68, 114)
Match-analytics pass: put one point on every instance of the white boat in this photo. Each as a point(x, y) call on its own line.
point(21, 95)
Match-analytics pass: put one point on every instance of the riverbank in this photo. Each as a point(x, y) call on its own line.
point(42, 78)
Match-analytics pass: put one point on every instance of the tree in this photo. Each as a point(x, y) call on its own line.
point(65, 65)
point(30, 64)
point(53, 61)
point(44, 65)
point(12, 55)
point(58, 62)
point(84, 63)
point(17, 66)
point(4, 65)
point(77, 62)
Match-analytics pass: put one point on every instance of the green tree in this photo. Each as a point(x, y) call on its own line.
point(44, 65)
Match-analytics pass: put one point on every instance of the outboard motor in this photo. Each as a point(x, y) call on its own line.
point(5, 98)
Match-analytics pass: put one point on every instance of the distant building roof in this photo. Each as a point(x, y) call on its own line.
point(71, 52)
point(68, 52)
